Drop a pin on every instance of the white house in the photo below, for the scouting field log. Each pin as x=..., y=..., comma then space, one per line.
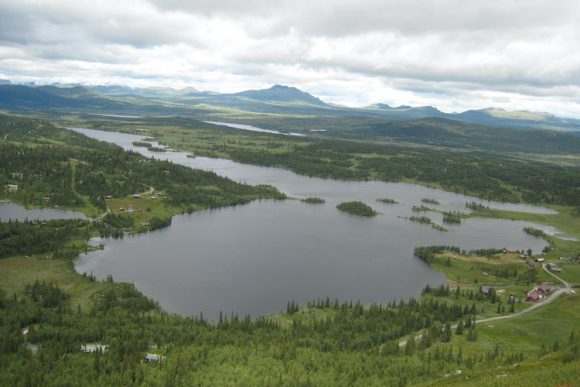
x=153, y=357
x=92, y=348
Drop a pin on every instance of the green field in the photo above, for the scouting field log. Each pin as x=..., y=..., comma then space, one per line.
x=17, y=272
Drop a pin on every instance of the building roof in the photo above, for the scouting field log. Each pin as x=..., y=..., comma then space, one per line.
x=545, y=287
x=154, y=357
x=534, y=295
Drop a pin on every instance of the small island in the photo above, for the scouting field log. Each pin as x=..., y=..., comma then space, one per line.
x=142, y=144
x=430, y=201
x=451, y=218
x=357, y=208
x=421, y=208
x=148, y=145
x=426, y=220
x=313, y=200
x=387, y=201
x=535, y=232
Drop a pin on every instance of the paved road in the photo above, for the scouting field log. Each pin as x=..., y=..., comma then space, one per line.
x=555, y=294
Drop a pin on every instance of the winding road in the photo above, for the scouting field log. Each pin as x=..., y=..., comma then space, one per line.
x=555, y=294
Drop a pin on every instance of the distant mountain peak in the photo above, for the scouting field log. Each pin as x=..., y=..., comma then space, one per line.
x=281, y=93
x=501, y=113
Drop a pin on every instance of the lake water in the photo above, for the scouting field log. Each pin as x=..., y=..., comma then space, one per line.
x=253, y=128
x=12, y=211
x=252, y=259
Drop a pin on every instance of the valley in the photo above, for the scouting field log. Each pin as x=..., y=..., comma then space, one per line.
x=253, y=237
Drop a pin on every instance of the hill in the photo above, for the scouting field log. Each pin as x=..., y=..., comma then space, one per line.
x=281, y=94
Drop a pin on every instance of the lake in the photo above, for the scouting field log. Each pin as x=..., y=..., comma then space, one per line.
x=253, y=259
x=12, y=211
x=253, y=128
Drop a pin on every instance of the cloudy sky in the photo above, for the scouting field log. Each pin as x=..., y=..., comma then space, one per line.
x=453, y=54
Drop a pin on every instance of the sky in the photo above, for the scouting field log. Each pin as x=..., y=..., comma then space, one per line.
x=452, y=54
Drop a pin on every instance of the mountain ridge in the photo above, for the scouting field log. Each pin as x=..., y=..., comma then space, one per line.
x=278, y=99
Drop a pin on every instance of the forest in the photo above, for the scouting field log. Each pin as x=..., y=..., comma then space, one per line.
x=57, y=167
x=433, y=339
x=352, y=345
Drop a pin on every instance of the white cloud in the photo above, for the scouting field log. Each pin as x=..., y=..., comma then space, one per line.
x=453, y=54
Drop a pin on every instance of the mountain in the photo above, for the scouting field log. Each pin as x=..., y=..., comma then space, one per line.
x=457, y=134
x=518, y=118
x=53, y=97
x=281, y=94
x=290, y=109
x=121, y=90
x=406, y=112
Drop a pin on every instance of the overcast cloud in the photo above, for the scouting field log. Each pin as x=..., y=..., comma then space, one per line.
x=453, y=54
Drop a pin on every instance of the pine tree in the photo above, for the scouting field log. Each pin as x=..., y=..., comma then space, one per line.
x=446, y=337
x=410, y=348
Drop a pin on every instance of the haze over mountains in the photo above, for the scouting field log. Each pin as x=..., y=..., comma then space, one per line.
x=287, y=108
x=278, y=98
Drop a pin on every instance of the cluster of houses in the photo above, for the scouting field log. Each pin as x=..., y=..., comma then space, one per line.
x=531, y=262
x=539, y=292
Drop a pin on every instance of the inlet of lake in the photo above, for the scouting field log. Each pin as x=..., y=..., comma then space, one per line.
x=254, y=258
x=11, y=211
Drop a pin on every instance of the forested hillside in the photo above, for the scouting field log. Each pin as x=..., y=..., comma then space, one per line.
x=49, y=313
x=53, y=166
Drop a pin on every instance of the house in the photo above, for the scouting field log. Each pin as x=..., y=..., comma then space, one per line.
x=11, y=187
x=544, y=288
x=486, y=289
x=25, y=331
x=534, y=296
x=136, y=196
x=153, y=357
x=108, y=196
x=130, y=208
x=540, y=260
x=553, y=268
x=565, y=259
x=92, y=348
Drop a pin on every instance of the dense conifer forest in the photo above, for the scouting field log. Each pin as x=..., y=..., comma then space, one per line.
x=46, y=332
